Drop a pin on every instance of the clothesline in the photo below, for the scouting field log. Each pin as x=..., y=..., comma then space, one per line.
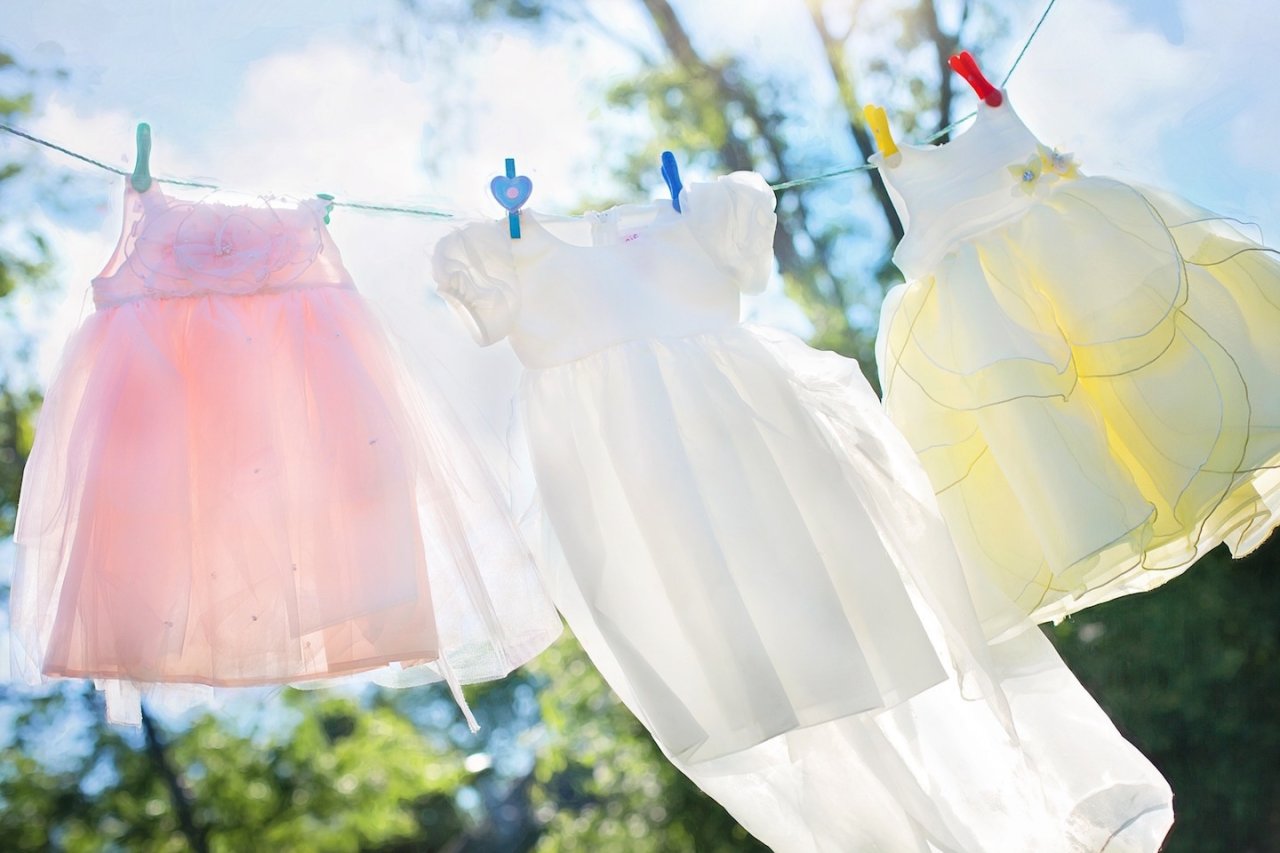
x=356, y=205
x=434, y=213
x=866, y=167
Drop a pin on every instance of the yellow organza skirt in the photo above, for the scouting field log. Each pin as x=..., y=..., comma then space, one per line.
x=1094, y=390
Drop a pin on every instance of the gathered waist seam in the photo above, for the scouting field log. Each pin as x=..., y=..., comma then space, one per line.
x=943, y=248
x=199, y=294
x=631, y=342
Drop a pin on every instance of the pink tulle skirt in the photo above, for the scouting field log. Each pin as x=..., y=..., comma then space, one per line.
x=243, y=489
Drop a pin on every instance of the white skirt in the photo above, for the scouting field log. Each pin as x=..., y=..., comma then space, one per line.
x=752, y=556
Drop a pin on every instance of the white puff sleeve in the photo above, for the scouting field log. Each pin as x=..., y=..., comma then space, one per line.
x=475, y=274
x=733, y=217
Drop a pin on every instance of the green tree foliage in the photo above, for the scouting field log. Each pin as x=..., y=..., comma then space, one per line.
x=25, y=262
x=329, y=773
x=603, y=784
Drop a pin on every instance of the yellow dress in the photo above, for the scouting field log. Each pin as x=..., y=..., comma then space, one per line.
x=1089, y=370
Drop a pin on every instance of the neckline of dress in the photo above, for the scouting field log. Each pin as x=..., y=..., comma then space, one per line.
x=980, y=117
x=663, y=215
x=162, y=199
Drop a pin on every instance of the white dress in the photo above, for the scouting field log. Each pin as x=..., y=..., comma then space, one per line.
x=751, y=555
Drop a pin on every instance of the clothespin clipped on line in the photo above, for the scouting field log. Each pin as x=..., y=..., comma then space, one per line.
x=966, y=66
x=328, y=207
x=141, y=177
x=512, y=191
x=879, y=124
x=671, y=174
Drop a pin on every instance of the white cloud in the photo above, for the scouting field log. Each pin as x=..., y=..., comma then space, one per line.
x=327, y=117
x=1095, y=83
x=1196, y=116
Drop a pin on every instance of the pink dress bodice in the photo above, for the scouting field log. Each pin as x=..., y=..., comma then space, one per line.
x=171, y=248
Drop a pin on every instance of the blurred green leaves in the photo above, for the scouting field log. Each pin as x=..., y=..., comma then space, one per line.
x=603, y=784
x=337, y=776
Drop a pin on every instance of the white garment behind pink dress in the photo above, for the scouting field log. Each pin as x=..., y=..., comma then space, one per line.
x=752, y=556
x=233, y=484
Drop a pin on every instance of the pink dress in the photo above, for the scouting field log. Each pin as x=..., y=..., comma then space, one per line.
x=232, y=483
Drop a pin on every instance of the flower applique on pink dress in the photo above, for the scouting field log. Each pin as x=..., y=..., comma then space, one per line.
x=234, y=483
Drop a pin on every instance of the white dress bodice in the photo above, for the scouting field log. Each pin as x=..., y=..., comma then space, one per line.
x=572, y=286
x=948, y=193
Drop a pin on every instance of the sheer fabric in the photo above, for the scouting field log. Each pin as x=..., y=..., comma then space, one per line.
x=753, y=557
x=233, y=484
x=1082, y=366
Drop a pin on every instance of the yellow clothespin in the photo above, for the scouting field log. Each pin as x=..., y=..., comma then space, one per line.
x=879, y=123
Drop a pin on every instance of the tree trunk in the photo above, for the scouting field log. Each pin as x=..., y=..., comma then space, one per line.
x=810, y=282
x=834, y=50
x=945, y=46
x=197, y=835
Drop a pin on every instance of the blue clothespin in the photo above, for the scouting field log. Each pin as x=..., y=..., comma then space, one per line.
x=141, y=177
x=671, y=174
x=512, y=191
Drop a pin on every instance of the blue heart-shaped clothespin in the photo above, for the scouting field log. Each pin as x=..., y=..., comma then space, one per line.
x=512, y=191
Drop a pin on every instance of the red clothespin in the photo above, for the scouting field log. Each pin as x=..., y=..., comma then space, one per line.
x=966, y=66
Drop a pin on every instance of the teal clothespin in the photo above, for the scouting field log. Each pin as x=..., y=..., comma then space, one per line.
x=141, y=177
x=328, y=207
x=512, y=191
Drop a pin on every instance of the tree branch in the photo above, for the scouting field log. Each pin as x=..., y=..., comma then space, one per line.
x=816, y=290
x=834, y=50
x=197, y=835
x=592, y=20
x=733, y=151
x=945, y=45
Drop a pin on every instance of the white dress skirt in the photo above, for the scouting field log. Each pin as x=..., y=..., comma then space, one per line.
x=752, y=556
